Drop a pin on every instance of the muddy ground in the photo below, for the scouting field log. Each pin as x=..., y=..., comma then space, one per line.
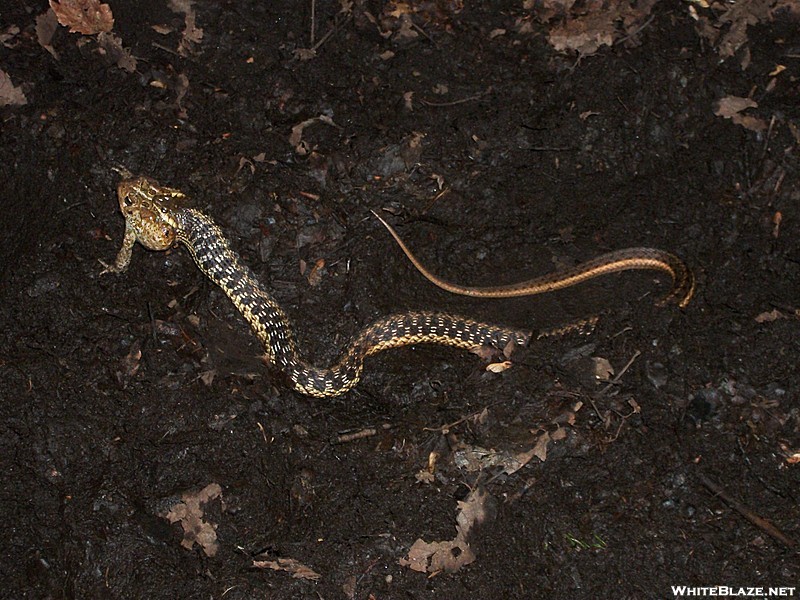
x=122, y=394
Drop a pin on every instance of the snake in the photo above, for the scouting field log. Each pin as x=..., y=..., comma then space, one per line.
x=160, y=217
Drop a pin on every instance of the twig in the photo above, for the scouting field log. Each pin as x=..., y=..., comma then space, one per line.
x=446, y=428
x=637, y=31
x=366, y=432
x=313, y=22
x=331, y=31
x=455, y=102
x=619, y=375
x=762, y=524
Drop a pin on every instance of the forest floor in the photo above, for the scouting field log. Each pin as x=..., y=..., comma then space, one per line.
x=148, y=452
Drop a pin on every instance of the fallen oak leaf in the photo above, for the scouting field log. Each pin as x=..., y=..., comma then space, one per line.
x=189, y=513
x=84, y=16
x=450, y=555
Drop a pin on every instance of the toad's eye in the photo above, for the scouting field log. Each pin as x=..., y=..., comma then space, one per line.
x=128, y=201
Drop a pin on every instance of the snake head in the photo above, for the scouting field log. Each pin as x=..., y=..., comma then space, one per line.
x=148, y=208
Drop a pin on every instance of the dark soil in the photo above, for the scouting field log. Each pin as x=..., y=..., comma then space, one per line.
x=530, y=160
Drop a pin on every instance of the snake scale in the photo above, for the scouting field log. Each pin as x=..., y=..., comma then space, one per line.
x=157, y=217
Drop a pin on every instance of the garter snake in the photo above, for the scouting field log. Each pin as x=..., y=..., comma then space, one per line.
x=158, y=217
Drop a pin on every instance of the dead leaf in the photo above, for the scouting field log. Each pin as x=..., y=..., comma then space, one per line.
x=731, y=107
x=603, y=371
x=584, y=35
x=46, y=25
x=130, y=364
x=297, y=569
x=207, y=377
x=540, y=450
x=112, y=46
x=189, y=513
x=769, y=316
x=434, y=557
x=304, y=53
x=84, y=16
x=315, y=274
x=450, y=555
x=192, y=34
x=424, y=476
x=8, y=36
x=10, y=95
x=296, y=137
x=499, y=367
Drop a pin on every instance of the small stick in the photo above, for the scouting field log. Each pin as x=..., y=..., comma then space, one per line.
x=360, y=434
x=620, y=374
x=763, y=524
x=313, y=22
x=455, y=102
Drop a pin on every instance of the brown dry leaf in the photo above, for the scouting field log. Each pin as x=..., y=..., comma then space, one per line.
x=10, y=95
x=499, y=367
x=473, y=510
x=296, y=137
x=731, y=107
x=46, y=25
x=84, y=16
x=314, y=276
x=297, y=569
x=476, y=458
x=9, y=35
x=603, y=371
x=112, y=46
x=190, y=515
x=769, y=316
x=585, y=35
x=740, y=15
x=192, y=34
x=484, y=352
x=540, y=450
x=207, y=377
x=727, y=23
x=424, y=476
x=304, y=53
x=450, y=555
x=437, y=556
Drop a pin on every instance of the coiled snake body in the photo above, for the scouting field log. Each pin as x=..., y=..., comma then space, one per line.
x=157, y=217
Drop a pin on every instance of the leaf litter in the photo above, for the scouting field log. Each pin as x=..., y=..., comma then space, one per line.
x=189, y=513
x=451, y=555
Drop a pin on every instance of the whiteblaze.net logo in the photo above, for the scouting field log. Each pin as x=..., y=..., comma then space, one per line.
x=725, y=591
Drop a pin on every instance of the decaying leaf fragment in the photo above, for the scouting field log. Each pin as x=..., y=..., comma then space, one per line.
x=296, y=137
x=83, y=16
x=585, y=35
x=10, y=95
x=731, y=107
x=297, y=569
x=112, y=46
x=450, y=555
x=46, y=25
x=192, y=34
x=189, y=513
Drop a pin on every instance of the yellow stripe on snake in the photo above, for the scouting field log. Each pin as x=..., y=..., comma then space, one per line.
x=156, y=217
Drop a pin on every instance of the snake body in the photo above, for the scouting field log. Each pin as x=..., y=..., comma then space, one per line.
x=158, y=218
